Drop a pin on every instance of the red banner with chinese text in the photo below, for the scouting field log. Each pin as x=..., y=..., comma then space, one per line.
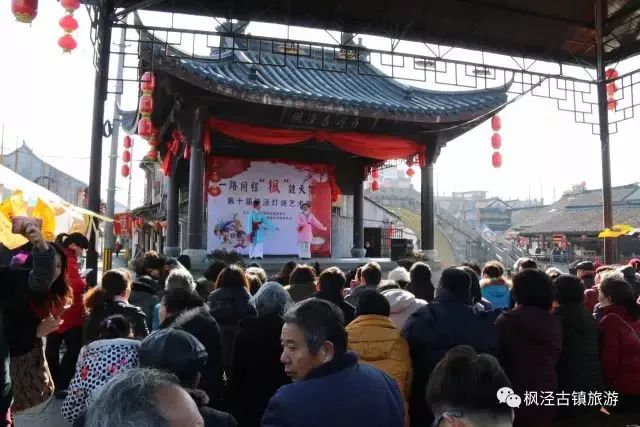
x=122, y=224
x=282, y=187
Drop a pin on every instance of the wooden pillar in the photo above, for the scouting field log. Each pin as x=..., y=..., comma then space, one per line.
x=358, y=250
x=195, y=222
x=172, y=247
x=427, y=209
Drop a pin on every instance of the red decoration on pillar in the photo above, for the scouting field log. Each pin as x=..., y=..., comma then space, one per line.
x=25, y=11
x=375, y=174
x=145, y=127
x=375, y=186
x=126, y=156
x=496, y=159
x=127, y=142
x=496, y=123
x=148, y=83
x=145, y=105
x=214, y=190
x=496, y=141
x=410, y=172
x=125, y=170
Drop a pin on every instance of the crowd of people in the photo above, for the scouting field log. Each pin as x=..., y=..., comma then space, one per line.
x=318, y=347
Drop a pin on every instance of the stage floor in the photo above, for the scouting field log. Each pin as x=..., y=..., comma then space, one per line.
x=273, y=264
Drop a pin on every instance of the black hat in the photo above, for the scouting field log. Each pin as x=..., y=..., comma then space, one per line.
x=308, y=204
x=175, y=351
x=585, y=265
x=371, y=302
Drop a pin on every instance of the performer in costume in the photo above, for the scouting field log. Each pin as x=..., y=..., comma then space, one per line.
x=257, y=225
x=306, y=221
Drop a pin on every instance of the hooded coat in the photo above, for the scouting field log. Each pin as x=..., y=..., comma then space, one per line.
x=620, y=350
x=199, y=323
x=530, y=345
x=378, y=342
x=403, y=304
x=436, y=328
x=497, y=292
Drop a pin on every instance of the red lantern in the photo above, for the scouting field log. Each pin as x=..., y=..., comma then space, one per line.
x=126, y=156
x=611, y=74
x=496, y=159
x=153, y=142
x=410, y=172
x=68, y=23
x=496, y=123
x=335, y=197
x=140, y=222
x=145, y=105
x=375, y=174
x=410, y=162
x=611, y=89
x=214, y=191
x=70, y=5
x=375, y=186
x=148, y=82
x=127, y=143
x=67, y=43
x=496, y=141
x=145, y=127
x=125, y=170
x=215, y=177
x=612, y=104
x=153, y=155
x=25, y=11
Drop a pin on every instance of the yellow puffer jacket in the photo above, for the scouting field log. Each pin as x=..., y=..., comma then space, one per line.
x=378, y=343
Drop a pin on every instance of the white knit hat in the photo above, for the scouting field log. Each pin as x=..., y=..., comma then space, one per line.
x=399, y=274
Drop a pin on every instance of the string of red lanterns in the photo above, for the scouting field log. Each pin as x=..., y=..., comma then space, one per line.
x=25, y=11
x=145, y=107
x=496, y=141
x=126, y=156
x=612, y=88
x=375, y=175
x=69, y=24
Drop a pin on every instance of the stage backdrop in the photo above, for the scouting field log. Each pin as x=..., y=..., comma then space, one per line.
x=233, y=184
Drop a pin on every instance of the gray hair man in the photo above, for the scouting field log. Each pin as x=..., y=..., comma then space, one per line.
x=143, y=398
x=271, y=299
x=180, y=278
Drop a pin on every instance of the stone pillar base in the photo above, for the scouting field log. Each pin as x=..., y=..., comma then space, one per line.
x=358, y=252
x=172, y=251
x=198, y=258
x=430, y=254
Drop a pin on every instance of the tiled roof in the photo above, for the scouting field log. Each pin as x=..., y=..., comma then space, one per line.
x=577, y=213
x=260, y=73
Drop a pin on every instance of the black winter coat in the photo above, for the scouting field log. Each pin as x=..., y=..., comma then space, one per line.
x=530, y=344
x=199, y=323
x=578, y=367
x=436, y=328
x=144, y=294
x=256, y=372
x=229, y=306
x=348, y=310
x=135, y=315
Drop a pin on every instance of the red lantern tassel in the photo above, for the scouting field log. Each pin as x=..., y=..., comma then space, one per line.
x=187, y=151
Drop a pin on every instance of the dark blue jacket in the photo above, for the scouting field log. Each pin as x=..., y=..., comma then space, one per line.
x=436, y=328
x=340, y=393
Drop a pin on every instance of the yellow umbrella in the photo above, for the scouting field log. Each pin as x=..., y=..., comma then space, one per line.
x=616, y=231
